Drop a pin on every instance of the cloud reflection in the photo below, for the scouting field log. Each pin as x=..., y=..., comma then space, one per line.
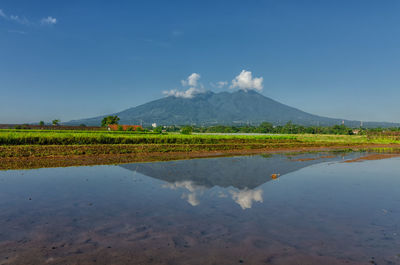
x=245, y=198
x=195, y=190
x=191, y=198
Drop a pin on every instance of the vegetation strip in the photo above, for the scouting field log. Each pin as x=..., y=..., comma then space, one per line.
x=84, y=138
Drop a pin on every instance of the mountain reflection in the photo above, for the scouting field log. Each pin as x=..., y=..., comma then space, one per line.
x=240, y=175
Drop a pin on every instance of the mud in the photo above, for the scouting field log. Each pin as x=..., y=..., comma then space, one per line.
x=372, y=157
x=60, y=156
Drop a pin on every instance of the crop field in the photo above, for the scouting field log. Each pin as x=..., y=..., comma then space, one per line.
x=64, y=137
x=27, y=137
x=48, y=148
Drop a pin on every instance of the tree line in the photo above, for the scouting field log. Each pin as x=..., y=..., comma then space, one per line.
x=288, y=128
x=265, y=127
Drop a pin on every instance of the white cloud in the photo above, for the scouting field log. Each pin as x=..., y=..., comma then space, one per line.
x=23, y=20
x=190, y=93
x=245, y=81
x=48, y=21
x=221, y=84
x=246, y=197
x=20, y=20
x=191, y=80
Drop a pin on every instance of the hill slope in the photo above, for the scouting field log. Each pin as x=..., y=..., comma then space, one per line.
x=220, y=108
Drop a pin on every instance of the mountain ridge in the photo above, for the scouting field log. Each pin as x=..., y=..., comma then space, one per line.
x=223, y=108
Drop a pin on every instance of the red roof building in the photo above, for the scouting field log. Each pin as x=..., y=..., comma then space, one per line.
x=114, y=127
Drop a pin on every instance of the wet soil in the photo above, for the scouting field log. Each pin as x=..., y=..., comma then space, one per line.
x=372, y=157
x=29, y=157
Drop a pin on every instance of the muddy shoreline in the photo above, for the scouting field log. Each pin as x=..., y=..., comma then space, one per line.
x=63, y=158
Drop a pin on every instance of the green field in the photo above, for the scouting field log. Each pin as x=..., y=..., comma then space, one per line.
x=64, y=137
x=20, y=149
x=38, y=137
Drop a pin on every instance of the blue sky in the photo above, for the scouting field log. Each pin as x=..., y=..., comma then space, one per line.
x=77, y=59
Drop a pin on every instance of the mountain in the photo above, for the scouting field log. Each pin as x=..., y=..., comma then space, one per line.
x=209, y=108
x=228, y=171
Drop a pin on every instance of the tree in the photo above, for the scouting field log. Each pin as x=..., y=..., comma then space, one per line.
x=41, y=123
x=187, y=130
x=109, y=120
x=158, y=129
x=56, y=122
x=265, y=127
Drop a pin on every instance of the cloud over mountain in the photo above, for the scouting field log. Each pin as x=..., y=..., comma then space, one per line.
x=191, y=80
x=194, y=89
x=245, y=81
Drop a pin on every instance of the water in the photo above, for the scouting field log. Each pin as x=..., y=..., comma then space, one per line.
x=205, y=211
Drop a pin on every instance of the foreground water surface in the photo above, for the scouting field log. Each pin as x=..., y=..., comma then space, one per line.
x=315, y=209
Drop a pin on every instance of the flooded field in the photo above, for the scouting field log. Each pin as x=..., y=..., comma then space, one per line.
x=275, y=209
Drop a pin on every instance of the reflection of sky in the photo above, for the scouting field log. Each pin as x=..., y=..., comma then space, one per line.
x=191, y=198
x=186, y=184
x=244, y=198
x=194, y=190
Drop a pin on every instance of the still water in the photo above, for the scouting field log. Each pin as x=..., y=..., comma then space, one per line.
x=315, y=210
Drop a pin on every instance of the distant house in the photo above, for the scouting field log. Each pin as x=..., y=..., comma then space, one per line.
x=114, y=127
